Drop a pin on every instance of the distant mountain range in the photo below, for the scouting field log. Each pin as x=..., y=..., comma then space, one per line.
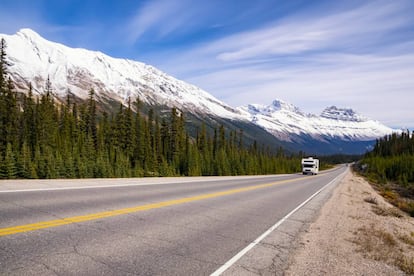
x=32, y=59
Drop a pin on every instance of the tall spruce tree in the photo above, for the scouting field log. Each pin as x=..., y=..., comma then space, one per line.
x=41, y=138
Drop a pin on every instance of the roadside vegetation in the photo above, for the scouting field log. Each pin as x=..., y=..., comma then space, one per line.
x=379, y=244
x=340, y=158
x=390, y=167
x=390, y=241
x=329, y=161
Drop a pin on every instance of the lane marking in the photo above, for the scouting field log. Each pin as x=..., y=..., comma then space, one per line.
x=58, y=222
x=133, y=184
x=233, y=260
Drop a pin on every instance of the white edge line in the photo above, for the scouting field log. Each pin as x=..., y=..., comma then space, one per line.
x=233, y=260
x=121, y=185
x=84, y=187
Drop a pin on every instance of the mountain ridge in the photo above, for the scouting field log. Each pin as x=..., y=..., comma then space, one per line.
x=33, y=58
x=114, y=78
x=282, y=118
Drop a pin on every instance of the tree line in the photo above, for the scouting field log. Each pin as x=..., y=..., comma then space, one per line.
x=392, y=159
x=44, y=138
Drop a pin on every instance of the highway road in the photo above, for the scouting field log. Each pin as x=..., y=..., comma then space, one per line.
x=128, y=227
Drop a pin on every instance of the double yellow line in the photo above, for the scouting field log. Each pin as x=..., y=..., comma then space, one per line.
x=58, y=222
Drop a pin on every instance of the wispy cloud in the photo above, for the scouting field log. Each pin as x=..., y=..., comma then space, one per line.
x=12, y=22
x=160, y=18
x=357, y=27
x=31, y=17
x=353, y=53
x=359, y=57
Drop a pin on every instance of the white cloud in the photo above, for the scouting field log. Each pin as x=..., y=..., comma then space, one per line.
x=296, y=34
x=149, y=16
x=380, y=87
x=356, y=57
x=12, y=22
x=159, y=18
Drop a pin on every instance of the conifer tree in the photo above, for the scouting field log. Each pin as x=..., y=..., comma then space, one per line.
x=91, y=119
x=3, y=64
x=29, y=134
x=41, y=138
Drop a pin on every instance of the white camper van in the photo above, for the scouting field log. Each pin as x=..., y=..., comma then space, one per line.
x=310, y=165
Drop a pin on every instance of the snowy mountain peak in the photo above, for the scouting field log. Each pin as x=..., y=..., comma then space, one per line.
x=34, y=58
x=284, y=120
x=343, y=114
x=28, y=33
x=282, y=105
x=276, y=106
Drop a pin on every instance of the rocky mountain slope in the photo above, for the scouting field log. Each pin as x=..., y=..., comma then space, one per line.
x=287, y=121
x=32, y=59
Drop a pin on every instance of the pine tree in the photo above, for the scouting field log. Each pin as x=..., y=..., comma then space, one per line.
x=174, y=136
x=28, y=121
x=25, y=162
x=8, y=168
x=91, y=119
x=45, y=139
x=47, y=119
x=3, y=63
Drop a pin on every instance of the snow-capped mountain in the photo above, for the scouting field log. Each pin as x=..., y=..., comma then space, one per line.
x=33, y=59
x=288, y=122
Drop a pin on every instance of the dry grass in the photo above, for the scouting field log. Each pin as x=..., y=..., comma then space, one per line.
x=409, y=240
x=372, y=200
x=375, y=243
x=380, y=245
x=406, y=265
x=389, y=195
x=357, y=239
x=399, y=196
x=389, y=246
x=404, y=204
x=386, y=212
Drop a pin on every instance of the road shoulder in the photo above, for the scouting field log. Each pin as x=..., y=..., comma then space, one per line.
x=272, y=255
x=356, y=233
x=347, y=229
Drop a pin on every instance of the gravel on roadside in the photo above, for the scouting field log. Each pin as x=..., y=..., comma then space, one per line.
x=357, y=233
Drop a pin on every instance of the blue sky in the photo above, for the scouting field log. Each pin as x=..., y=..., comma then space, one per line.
x=314, y=54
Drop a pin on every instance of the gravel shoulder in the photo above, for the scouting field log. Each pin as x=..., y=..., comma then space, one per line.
x=356, y=233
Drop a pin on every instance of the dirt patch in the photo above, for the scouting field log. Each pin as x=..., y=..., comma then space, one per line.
x=357, y=233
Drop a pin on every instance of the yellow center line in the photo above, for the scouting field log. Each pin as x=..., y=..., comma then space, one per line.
x=58, y=222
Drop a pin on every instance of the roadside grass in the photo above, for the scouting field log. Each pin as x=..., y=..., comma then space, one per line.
x=401, y=196
x=381, y=210
x=397, y=196
x=380, y=245
x=406, y=239
x=386, y=212
x=372, y=200
x=393, y=247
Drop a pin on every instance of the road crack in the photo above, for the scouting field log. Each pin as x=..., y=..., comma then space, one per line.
x=112, y=267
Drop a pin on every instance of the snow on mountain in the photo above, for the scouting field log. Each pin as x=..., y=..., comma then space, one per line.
x=33, y=59
x=283, y=119
x=343, y=114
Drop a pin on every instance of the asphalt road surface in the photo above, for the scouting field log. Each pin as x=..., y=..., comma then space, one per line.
x=125, y=227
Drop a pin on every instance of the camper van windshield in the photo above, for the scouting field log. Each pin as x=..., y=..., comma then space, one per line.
x=308, y=165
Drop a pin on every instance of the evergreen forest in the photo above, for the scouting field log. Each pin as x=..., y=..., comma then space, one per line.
x=392, y=159
x=42, y=137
